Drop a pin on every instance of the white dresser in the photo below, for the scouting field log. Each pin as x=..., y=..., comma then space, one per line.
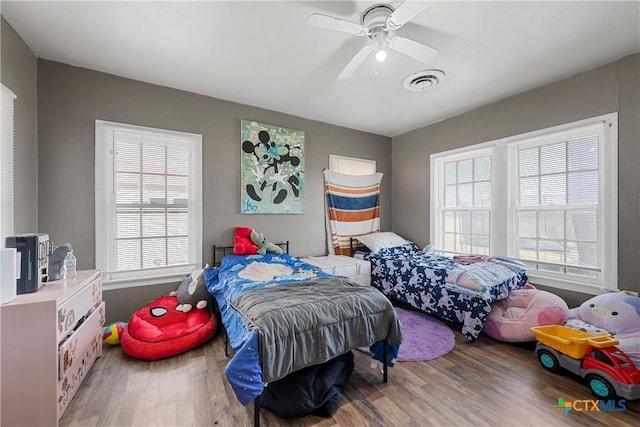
x=50, y=340
x=358, y=270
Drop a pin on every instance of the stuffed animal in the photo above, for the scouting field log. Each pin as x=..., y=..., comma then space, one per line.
x=193, y=292
x=613, y=312
x=242, y=244
x=263, y=245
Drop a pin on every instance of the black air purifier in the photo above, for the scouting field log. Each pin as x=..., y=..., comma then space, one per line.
x=33, y=250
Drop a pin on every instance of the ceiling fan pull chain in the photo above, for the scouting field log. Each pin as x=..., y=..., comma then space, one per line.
x=374, y=66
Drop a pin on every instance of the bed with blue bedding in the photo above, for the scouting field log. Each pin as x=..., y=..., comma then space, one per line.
x=282, y=314
x=460, y=292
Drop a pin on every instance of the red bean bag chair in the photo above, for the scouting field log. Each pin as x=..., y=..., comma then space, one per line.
x=158, y=330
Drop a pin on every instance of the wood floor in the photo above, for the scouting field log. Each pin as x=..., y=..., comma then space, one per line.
x=486, y=384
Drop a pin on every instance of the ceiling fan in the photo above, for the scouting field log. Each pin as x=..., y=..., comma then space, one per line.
x=376, y=22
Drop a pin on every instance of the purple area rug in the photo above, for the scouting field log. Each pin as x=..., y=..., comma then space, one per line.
x=424, y=337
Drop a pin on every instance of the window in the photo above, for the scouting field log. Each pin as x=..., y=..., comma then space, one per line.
x=6, y=165
x=148, y=203
x=548, y=198
x=351, y=165
x=466, y=210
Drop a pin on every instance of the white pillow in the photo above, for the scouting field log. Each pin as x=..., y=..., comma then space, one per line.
x=385, y=239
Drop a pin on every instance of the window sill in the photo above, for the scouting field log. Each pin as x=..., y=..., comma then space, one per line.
x=132, y=283
x=567, y=285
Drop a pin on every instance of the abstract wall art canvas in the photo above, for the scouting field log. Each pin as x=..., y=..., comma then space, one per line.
x=272, y=169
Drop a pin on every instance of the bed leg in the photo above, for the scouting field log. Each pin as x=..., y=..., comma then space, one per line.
x=256, y=411
x=385, y=366
x=226, y=345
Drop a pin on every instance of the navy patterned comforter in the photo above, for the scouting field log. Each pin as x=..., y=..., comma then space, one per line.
x=460, y=293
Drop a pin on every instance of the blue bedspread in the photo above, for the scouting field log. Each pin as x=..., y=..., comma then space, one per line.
x=238, y=275
x=460, y=293
x=226, y=284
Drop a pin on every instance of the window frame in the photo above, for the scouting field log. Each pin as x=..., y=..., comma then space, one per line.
x=337, y=162
x=7, y=166
x=438, y=205
x=504, y=201
x=106, y=207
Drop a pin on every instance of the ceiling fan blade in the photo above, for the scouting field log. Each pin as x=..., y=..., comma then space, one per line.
x=331, y=23
x=415, y=50
x=355, y=62
x=405, y=13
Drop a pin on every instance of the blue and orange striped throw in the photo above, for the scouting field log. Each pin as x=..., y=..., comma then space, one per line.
x=352, y=208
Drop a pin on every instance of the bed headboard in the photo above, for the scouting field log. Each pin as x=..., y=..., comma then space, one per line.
x=219, y=252
x=355, y=245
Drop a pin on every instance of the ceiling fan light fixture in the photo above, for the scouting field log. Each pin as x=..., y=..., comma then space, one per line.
x=376, y=22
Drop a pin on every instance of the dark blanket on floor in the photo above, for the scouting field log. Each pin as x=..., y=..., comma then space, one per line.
x=315, y=390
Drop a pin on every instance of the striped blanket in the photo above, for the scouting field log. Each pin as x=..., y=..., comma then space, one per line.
x=352, y=208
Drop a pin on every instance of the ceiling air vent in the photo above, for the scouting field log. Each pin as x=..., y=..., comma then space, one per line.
x=424, y=80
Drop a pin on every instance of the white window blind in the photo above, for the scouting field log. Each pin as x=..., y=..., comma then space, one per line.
x=550, y=201
x=148, y=208
x=351, y=165
x=6, y=165
x=557, y=212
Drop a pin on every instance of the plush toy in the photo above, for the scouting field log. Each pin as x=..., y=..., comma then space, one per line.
x=512, y=318
x=113, y=332
x=242, y=244
x=193, y=292
x=263, y=245
x=613, y=312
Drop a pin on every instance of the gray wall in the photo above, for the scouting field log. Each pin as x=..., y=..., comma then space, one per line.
x=72, y=98
x=55, y=174
x=610, y=88
x=18, y=72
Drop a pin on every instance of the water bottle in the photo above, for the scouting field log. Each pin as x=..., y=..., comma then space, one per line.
x=69, y=265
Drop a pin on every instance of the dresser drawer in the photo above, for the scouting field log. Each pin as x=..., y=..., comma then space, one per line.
x=81, y=304
x=73, y=348
x=70, y=383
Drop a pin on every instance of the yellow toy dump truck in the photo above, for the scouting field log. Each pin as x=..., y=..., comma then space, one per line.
x=608, y=371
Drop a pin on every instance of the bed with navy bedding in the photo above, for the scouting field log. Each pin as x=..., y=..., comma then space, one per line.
x=282, y=314
x=460, y=292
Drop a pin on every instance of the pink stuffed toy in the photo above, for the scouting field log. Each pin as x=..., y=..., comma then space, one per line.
x=613, y=312
x=512, y=318
x=242, y=243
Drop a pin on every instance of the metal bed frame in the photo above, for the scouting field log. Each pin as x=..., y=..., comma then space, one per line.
x=226, y=250
x=354, y=245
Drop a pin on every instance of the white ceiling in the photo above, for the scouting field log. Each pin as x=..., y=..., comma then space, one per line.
x=264, y=53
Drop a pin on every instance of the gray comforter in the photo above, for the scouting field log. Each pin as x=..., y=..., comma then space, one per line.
x=308, y=323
